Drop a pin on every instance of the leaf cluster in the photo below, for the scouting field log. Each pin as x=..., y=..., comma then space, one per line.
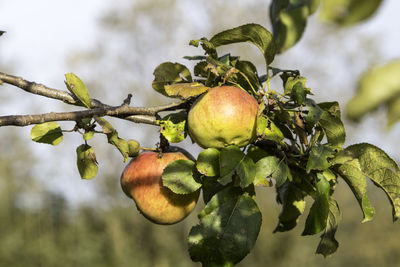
x=51, y=132
x=298, y=151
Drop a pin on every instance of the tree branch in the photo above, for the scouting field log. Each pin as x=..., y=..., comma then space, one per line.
x=40, y=89
x=145, y=115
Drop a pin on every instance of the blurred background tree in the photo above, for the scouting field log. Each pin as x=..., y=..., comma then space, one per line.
x=40, y=226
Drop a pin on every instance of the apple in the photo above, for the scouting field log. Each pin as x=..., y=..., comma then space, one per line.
x=225, y=115
x=141, y=180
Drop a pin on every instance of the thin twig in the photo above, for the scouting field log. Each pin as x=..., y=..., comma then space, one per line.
x=145, y=115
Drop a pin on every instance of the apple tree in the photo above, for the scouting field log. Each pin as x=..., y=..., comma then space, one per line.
x=252, y=134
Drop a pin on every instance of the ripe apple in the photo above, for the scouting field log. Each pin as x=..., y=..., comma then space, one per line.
x=141, y=181
x=223, y=116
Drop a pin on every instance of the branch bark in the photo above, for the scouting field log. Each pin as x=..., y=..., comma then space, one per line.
x=147, y=115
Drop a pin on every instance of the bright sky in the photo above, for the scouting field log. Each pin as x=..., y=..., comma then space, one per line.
x=41, y=33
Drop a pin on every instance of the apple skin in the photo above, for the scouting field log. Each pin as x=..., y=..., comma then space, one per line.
x=225, y=115
x=141, y=180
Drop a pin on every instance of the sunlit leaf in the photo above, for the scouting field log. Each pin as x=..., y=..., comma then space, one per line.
x=328, y=244
x=169, y=73
x=172, y=126
x=88, y=135
x=317, y=218
x=272, y=167
x=207, y=46
x=332, y=124
x=228, y=229
x=233, y=161
x=122, y=145
x=347, y=12
x=47, y=133
x=208, y=162
x=78, y=88
x=318, y=159
x=253, y=33
x=351, y=172
x=268, y=130
x=86, y=161
x=289, y=20
x=314, y=114
x=250, y=71
x=375, y=164
x=185, y=90
x=378, y=86
x=293, y=205
x=264, y=168
x=393, y=111
x=181, y=177
x=105, y=125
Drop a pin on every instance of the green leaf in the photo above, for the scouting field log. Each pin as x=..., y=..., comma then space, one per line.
x=347, y=12
x=201, y=70
x=332, y=108
x=264, y=168
x=262, y=123
x=206, y=45
x=86, y=161
x=105, y=125
x=2, y=32
x=351, y=172
x=332, y=124
x=268, y=130
x=313, y=5
x=256, y=153
x=314, y=114
x=292, y=81
x=317, y=218
x=328, y=244
x=113, y=138
x=298, y=93
x=88, y=135
x=211, y=187
x=375, y=164
x=246, y=171
x=253, y=33
x=208, y=162
x=121, y=144
x=47, y=133
x=281, y=174
x=271, y=166
x=233, y=161
x=293, y=205
x=289, y=20
x=185, y=90
x=172, y=126
x=228, y=229
x=250, y=71
x=318, y=159
x=169, y=73
x=393, y=111
x=181, y=177
x=78, y=89
x=378, y=86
